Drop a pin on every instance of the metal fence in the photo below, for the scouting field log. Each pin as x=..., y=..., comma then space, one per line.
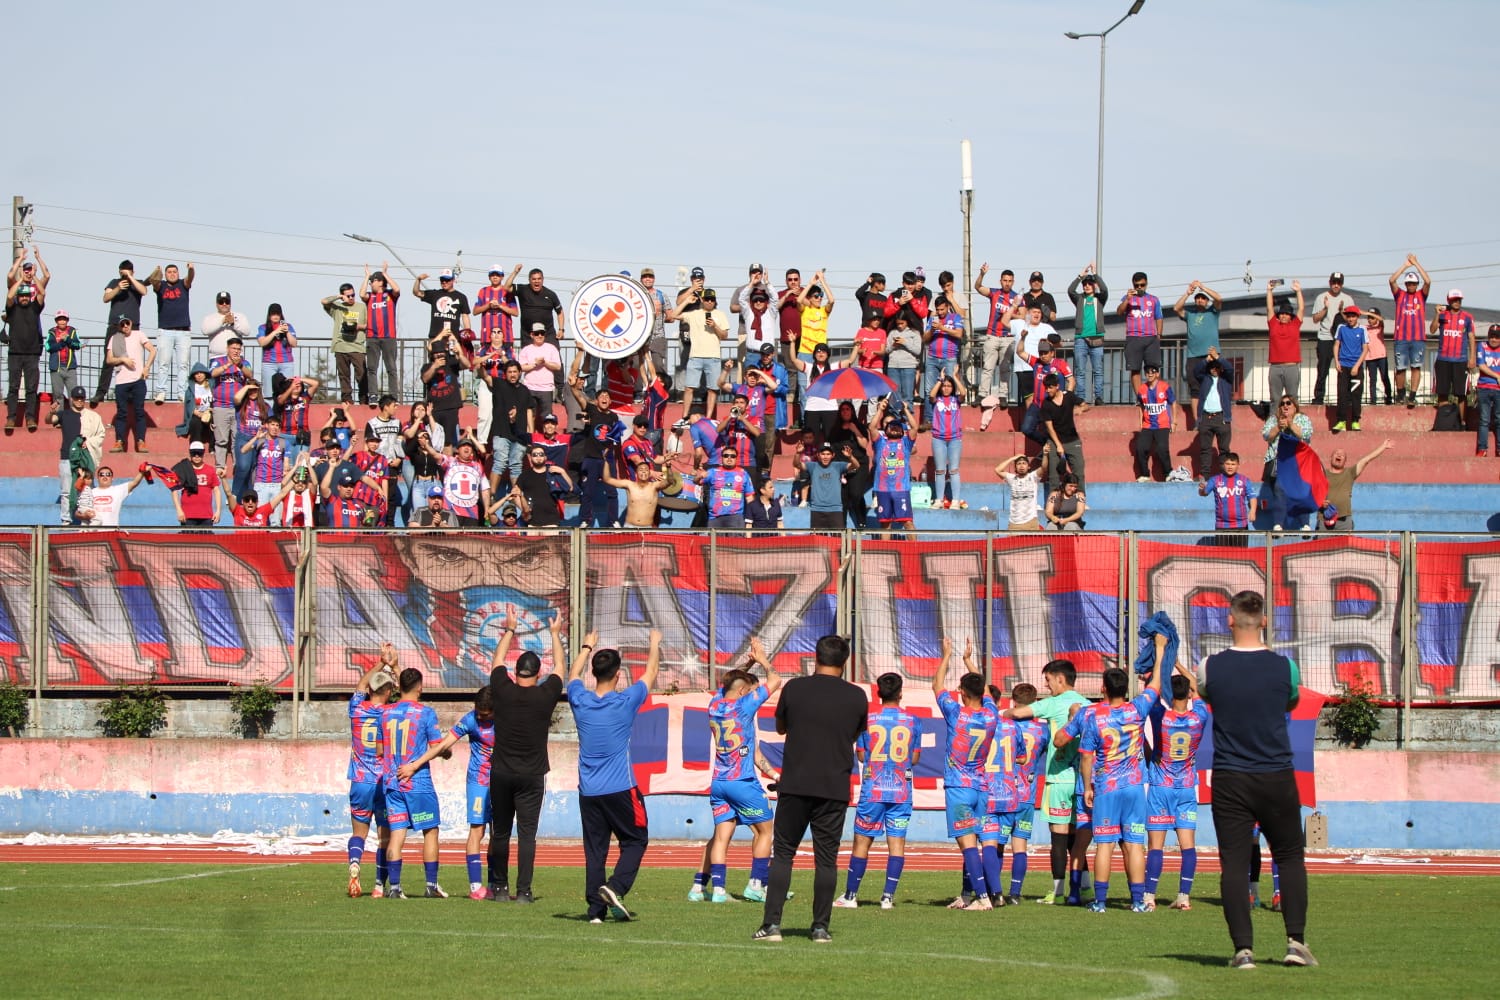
x=1411, y=617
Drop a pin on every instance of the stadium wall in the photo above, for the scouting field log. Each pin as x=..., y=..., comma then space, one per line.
x=1373, y=799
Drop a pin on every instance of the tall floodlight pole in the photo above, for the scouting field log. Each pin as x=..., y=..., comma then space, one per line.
x=1135, y=8
x=966, y=206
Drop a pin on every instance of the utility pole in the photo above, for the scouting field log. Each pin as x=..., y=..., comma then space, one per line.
x=17, y=226
x=966, y=205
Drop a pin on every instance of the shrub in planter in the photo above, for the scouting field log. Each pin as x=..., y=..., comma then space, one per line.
x=136, y=710
x=256, y=707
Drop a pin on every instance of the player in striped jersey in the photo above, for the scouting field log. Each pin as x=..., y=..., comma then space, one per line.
x=411, y=800
x=1172, y=776
x=366, y=746
x=479, y=726
x=971, y=728
x=1032, y=737
x=887, y=751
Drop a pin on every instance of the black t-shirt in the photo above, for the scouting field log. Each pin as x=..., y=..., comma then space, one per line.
x=538, y=493
x=1045, y=300
x=70, y=422
x=429, y=518
x=447, y=307
x=597, y=424
x=423, y=465
x=537, y=307
x=822, y=716
x=1061, y=416
x=523, y=716
x=172, y=311
x=443, y=391
x=505, y=396
x=25, y=327
x=126, y=306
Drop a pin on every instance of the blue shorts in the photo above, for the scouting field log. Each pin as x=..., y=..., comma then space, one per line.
x=891, y=506
x=1120, y=815
x=871, y=818
x=1007, y=826
x=479, y=803
x=367, y=802
x=412, y=810
x=1409, y=353
x=743, y=800
x=965, y=811
x=1171, y=808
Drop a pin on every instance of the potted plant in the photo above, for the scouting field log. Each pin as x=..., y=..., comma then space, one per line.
x=136, y=710
x=256, y=707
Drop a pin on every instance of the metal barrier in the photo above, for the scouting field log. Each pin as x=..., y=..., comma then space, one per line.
x=307, y=611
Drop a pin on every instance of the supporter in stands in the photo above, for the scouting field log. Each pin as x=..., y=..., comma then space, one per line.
x=450, y=307
x=599, y=505
x=130, y=354
x=946, y=416
x=342, y=509
x=465, y=491
x=1235, y=504
x=642, y=494
x=1328, y=308
x=1341, y=479
x=511, y=426
x=825, y=486
x=63, y=349
x=1411, y=325
x=198, y=503
x=1487, y=359
x=372, y=488
x=109, y=496
x=1350, y=347
x=1065, y=506
x=540, y=363
x=223, y=324
x=725, y=491
x=23, y=313
x=351, y=327
x=1455, y=330
x=1028, y=335
x=1089, y=293
x=35, y=271
x=869, y=345
x=1213, y=382
x=278, y=341
x=763, y=510
x=1288, y=419
x=295, y=504
x=1143, y=323
x=1285, y=347
x=267, y=456
x=380, y=295
x=420, y=470
x=250, y=412
x=803, y=455
x=994, y=381
x=174, y=326
x=251, y=513
x=890, y=460
x=1065, y=446
x=903, y=352
x=759, y=323
x=291, y=401
x=754, y=395
x=1202, y=319
x=228, y=373
x=434, y=515
x=77, y=420
x=1045, y=362
x=818, y=413
x=1156, y=399
x=778, y=381
x=815, y=303
x=81, y=500
x=1036, y=295
x=444, y=397
x=124, y=294
x=1377, y=363
x=1023, y=483
x=943, y=336
x=708, y=328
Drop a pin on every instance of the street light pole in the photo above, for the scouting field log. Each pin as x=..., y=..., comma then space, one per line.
x=371, y=239
x=966, y=205
x=1103, y=36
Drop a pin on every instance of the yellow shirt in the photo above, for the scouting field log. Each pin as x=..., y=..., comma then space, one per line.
x=814, y=328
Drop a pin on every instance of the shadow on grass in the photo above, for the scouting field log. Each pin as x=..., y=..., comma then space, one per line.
x=1214, y=961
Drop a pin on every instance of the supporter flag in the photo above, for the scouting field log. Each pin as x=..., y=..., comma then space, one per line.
x=1300, y=475
x=161, y=474
x=1302, y=727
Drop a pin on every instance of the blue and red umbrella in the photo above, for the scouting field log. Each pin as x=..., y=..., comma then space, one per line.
x=850, y=383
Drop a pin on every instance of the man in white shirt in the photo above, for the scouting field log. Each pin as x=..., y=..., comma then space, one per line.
x=223, y=323
x=1027, y=335
x=109, y=497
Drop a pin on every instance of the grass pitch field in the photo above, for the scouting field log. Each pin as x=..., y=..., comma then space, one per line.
x=270, y=931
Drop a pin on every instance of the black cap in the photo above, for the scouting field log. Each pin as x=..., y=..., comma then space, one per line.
x=641, y=421
x=222, y=297
x=79, y=392
x=697, y=273
x=550, y=418
x=1036, y=276
x=768, y=348
x=1494, y=330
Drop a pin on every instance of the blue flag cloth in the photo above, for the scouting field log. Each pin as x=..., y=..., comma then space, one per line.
x=1158, y=624
x=1300, y=477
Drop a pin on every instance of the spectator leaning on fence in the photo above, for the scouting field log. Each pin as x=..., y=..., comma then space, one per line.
x=174, y=326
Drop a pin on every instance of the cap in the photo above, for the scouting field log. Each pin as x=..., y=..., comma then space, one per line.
x=1494, y=330
x=918, y=273
x=709, y=293
x=347, y=480
x=757, y=268
x=647, y=272
x=222, y=297
x=445, y=275
x=697, y=273
x=29, y=266
x=435, y=491
x=1455, y=293
x=60, y=314
x=24, y=290
x=825, y=446
x=768, y=348
x=1336, y=276
x=497, y=269
x=195, y=446
x=1283, y=307
x=1351, y=308
x=510, y=510
x=1411, y=278
x=550, y=418
x=380, y=679
x=1089, y=279
x=539, y=328
x=1036, y=276
x=1152, y=368
x=79, y=392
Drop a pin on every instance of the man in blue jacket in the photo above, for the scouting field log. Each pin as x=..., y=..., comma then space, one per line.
x=1213, y=384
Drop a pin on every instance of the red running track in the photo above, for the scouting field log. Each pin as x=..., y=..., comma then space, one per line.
x=924, y=858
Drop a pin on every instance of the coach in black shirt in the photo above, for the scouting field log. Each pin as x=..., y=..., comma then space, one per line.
x=1251, y=689
x=523, y=716
x=821, y=716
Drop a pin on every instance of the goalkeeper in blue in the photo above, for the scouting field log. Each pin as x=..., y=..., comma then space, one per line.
x=887, y=751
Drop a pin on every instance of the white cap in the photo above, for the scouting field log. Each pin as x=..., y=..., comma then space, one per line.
x=496, y=269
x=445, y=275
x=1454, y=293
x=1411, y=276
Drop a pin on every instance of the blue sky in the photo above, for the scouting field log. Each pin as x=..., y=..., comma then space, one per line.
x=590, y=136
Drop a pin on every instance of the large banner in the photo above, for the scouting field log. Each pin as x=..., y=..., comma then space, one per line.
x=189, y=608
x=16, y=662
x=439, y=598
x=1053, y=596
x=1458, y=621
x=1335, y=609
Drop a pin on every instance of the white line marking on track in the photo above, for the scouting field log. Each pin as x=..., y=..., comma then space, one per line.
x=1158, y=985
